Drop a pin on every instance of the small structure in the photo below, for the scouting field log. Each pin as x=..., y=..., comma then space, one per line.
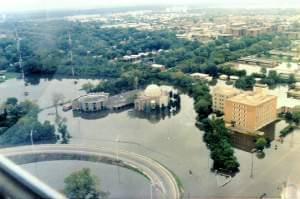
x=201, y=76
x=91, y=102
x=151, y=98
x=223, y=77
x=233, y=77
x=158, y=66
x=258, y=61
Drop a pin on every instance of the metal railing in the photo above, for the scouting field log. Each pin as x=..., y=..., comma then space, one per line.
x=18, y=183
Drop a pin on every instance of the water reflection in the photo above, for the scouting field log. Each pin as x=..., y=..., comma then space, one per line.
x=154, y=117
x=246, y=142
x=91, y=115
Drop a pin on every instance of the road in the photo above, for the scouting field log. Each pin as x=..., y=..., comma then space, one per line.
x=163, y=183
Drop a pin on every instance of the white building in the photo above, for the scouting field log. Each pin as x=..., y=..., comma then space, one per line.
x=91, y=102
x=153, y=96
x=158, y=66
x=201, y=76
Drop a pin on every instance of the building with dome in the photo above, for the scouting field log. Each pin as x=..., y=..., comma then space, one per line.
x=151, y=98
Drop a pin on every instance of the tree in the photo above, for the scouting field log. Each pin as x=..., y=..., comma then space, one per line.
x=245, y=83
x=83, y=185
x=261, y=143
x=56, y=99
x=88, y=87
x=11, y=101
x=263, y=70
x=63, y=130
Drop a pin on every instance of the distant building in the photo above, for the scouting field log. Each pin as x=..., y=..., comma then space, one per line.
x=258, y=61
x=220, y=95
x=201, y=76
x=158, y=66
x=91, y=102
x=250, y=111
x=254, y=32
x=292, y=35
x=223, y=77
x=225, y=36
x=153, y=96
x=233, y=77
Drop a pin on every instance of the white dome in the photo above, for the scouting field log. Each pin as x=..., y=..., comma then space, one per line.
x=152, y=91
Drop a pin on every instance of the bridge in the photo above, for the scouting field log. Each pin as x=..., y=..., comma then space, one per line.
x=163, y=182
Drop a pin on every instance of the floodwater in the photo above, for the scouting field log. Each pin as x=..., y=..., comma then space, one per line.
x=119, y=182
x=173, y=141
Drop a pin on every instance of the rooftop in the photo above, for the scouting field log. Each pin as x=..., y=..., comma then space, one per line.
x=252, y=98
x=225, y=90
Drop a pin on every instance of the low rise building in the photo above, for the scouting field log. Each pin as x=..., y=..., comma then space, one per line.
x=201, y=76
x=158, y=66
x=223, y=77
x=250, y=111
x=91, y=102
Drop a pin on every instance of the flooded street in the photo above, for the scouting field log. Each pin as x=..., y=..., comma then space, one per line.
x=117, y=181
x=173, y=141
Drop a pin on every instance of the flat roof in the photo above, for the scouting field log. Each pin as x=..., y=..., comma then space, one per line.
x=226, y=90
x=252, y=98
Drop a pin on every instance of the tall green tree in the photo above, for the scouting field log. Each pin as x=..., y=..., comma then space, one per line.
x=83, y=185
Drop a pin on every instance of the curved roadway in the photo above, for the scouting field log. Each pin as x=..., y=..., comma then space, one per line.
x=162, y=180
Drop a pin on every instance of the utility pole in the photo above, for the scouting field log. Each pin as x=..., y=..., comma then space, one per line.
x=117, y=156
x=136, y=82
x=71, y=53
x=151, y=190
x=252, y=153
x=20, y=54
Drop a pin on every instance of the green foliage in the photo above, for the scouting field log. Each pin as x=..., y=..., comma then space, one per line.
x=245, y=83
x=88, y=87
x=287, y=130
x=97, y=51
x=292, y=118
x=273, y=79
x=217, y=140
x=83, y=185
x=18, y=122
x=229, y=70
x=63, y=130
x=261, y=143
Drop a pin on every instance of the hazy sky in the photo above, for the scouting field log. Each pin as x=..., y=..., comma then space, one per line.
x=17, y=5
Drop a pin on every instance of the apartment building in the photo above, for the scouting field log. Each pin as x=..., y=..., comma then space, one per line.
x=221, y=94
x=249, y=111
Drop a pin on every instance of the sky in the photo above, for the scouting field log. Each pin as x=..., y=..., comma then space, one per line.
x=23, y=5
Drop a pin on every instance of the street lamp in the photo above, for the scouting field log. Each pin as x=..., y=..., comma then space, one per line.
x=31, y=136
x=252, y=152
x=117, y=154
x=117, y=140
x=151, y=190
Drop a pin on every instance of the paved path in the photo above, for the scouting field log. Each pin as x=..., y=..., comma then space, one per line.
x=163, y=183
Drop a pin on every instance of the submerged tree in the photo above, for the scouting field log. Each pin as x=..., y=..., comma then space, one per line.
x=63, y=130
x=57, y=98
